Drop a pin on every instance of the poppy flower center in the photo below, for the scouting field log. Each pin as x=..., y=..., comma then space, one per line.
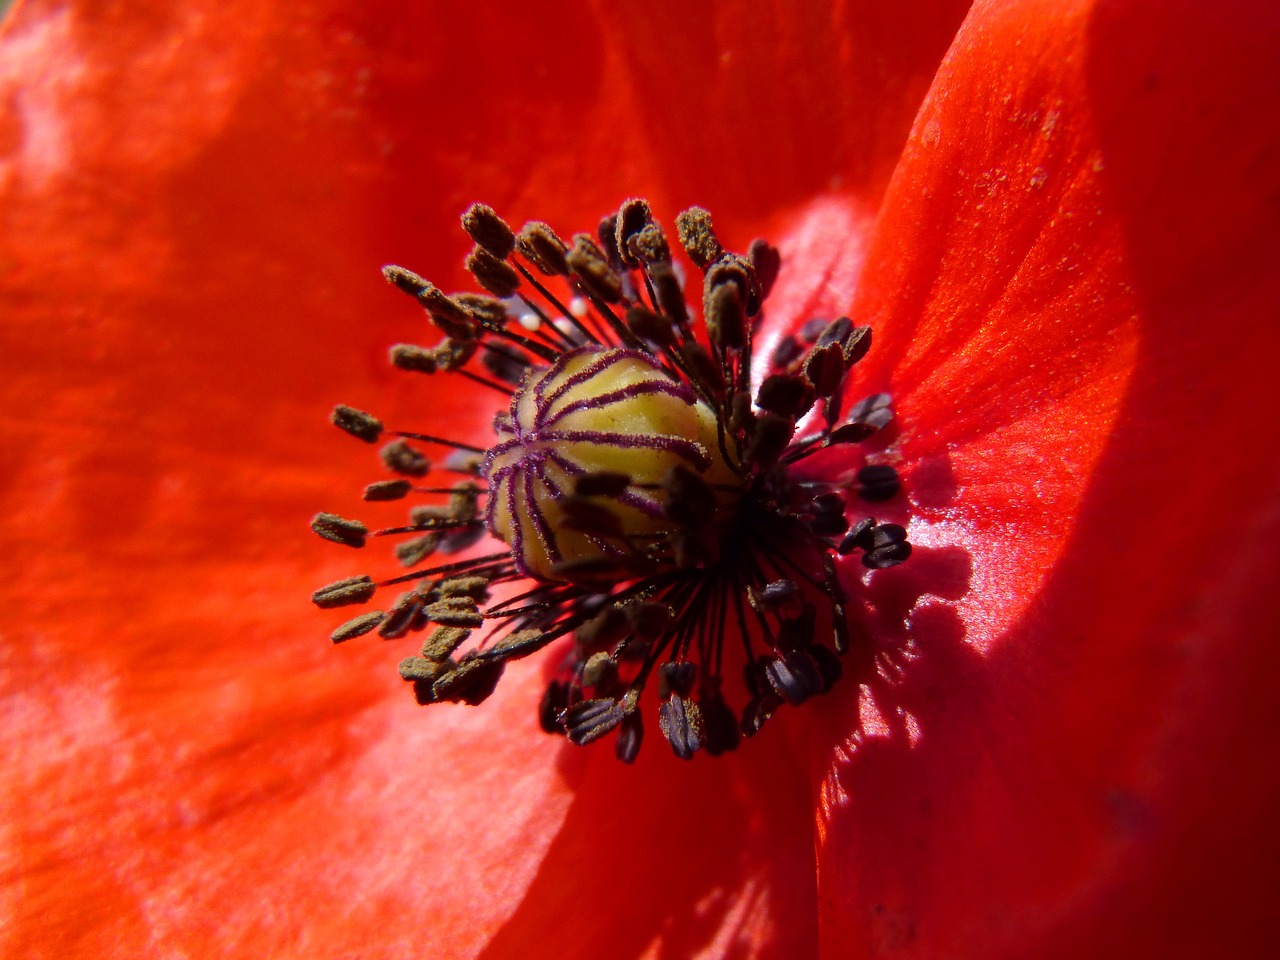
x=653, y=491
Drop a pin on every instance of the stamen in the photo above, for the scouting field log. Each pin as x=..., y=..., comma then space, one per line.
x=630, y=735
x=470, y=682
x=539, y=245
x=443, y=641
x=785, y=395
x=388, y=490
x=444, y=442
x=654, y=523
x=888, y=547
x=490, y=231
x=698, y=237
x=824, y=368
x=361, y=425
x=767, y=262
x=422, y=669
x=342, y=593
x=878, y=482
x=405, y=280
x=495, y=275
x=681, y=723
x=332, y=527
x=404, y=616
x=402, y=458
x=487, y=311
x=633, y=217
x=726, y=320
x=607, y=235
x=735, y=270
x=591, y=719
x=649, y=245
x=357, y=627
x=406, y=356
x=669, y=293
x=413, y=552
x=447, y=314
x=592, y=270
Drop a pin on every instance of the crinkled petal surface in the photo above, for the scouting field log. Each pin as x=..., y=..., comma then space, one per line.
x=1074, y=289
x=194, y=201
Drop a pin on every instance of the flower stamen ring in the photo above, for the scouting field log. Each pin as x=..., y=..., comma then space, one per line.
x=649, y=485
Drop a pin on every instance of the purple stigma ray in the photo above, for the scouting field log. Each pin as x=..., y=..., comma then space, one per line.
x=540, y=525
x=562, y=384
x=517, y=528
x=621, y=394
x=689, y=450
x=497, y=450
x=595, y=368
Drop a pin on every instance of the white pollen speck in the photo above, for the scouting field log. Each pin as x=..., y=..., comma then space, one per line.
x=578, y=307
x=529, y=321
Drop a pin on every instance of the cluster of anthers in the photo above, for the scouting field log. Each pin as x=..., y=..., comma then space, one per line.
x=654, y=491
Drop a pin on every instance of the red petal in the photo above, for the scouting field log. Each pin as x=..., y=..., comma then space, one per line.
x=193, y=204
x=757, y=107
x=191, y=225
x=1074, y=291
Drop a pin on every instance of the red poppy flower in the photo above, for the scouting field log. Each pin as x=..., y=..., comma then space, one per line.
x=1070, y=273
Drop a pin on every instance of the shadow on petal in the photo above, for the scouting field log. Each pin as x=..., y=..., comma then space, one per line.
x=1096, y=781
x=666, y=859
